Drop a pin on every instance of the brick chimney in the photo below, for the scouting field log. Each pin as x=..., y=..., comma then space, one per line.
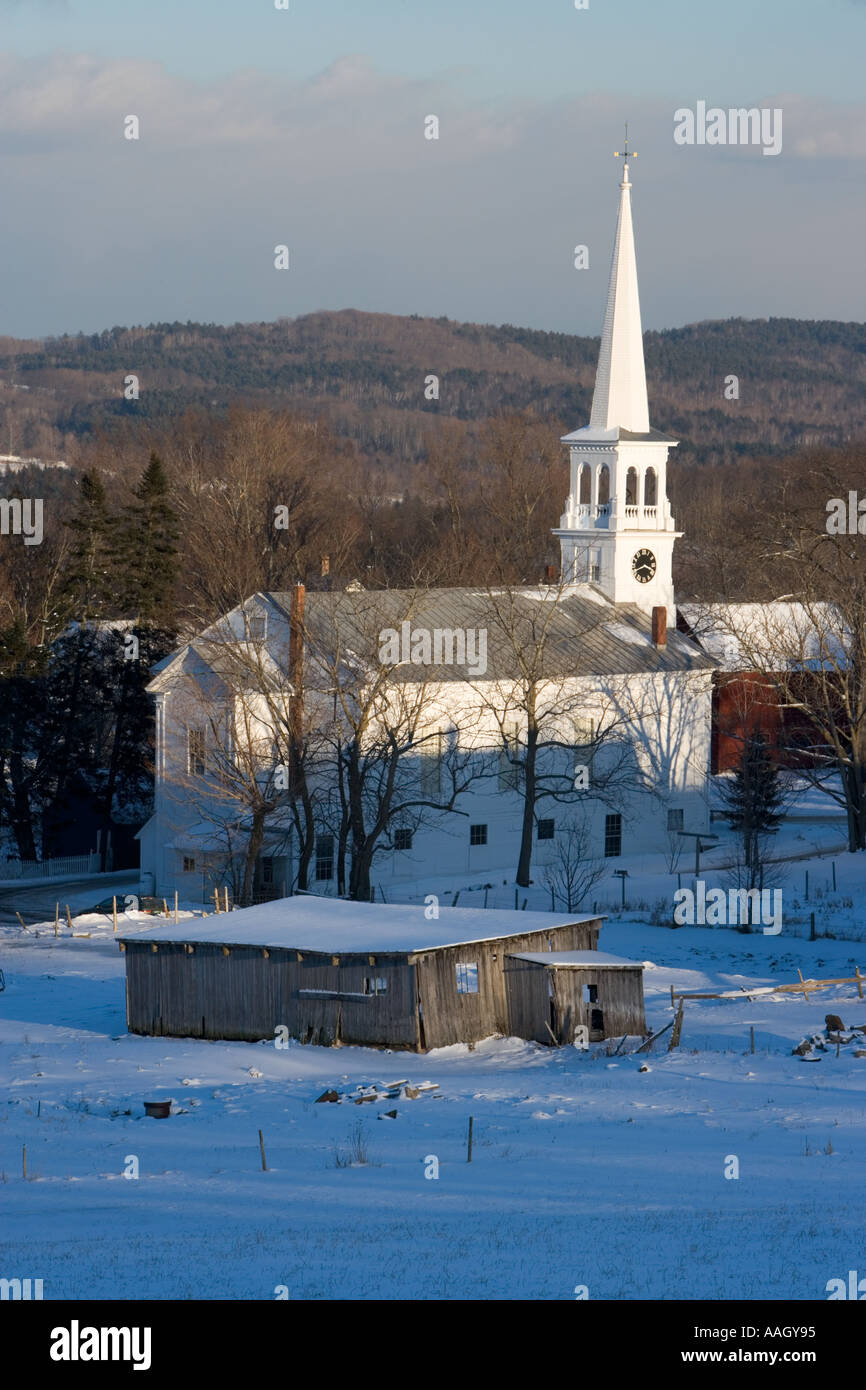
x=326, y=565
x=660, y=627
x=550, y=575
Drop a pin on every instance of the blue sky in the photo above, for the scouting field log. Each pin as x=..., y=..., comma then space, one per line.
x=305, y=127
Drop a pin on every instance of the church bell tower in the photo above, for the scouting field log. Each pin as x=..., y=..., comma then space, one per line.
x=617, y=530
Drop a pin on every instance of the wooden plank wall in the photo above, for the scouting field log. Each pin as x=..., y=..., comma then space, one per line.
x=620, y=998
x=449, y=1017
x=247, y=995
x=528, y=996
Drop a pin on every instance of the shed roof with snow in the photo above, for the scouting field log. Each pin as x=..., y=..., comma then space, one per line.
x=333, y=925
x=577, y=960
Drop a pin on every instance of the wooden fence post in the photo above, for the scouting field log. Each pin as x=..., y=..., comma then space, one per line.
x=262, y=1147
x=56, y=917
x=114, y=913
x=678, y=1028
x=469, y=1143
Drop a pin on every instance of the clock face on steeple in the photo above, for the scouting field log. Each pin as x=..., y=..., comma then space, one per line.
x=643, y=566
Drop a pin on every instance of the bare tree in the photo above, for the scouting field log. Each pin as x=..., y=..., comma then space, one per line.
x=573, y=871
x=560, y=737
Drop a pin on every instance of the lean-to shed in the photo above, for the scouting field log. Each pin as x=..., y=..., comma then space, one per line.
x=330, y=971
x=586, y=989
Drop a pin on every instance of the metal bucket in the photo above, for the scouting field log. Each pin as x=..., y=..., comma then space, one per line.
x=157, y=1109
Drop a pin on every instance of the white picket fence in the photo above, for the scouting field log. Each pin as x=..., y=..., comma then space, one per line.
x=50, y=868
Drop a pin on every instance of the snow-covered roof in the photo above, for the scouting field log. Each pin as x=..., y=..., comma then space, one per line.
x=783, y=634
x=576, y=960
x=332, y=925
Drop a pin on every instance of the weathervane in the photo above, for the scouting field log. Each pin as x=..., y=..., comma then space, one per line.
x=625, y=154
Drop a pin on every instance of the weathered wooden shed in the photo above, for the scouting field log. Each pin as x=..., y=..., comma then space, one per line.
x=330, y=971
x=582, y=989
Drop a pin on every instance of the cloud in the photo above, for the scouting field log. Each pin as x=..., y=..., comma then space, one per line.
x=479, y=224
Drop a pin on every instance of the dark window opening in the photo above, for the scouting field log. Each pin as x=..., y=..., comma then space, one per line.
x=402, y=839
x=478, y=834
x=546, y=829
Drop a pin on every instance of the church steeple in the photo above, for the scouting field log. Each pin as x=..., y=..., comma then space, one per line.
x=620, y=397
x=617, y=531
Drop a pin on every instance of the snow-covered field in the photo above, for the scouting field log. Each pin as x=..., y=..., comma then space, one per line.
x=586, y=1170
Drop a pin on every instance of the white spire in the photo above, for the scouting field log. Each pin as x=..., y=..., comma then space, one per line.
x=620, y=399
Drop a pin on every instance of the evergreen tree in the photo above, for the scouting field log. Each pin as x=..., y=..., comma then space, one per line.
x=147, y=551
x=90, y=590
x=754, y=802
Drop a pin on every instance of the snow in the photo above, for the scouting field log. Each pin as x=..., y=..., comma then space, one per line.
x=577, y=959
x=333, y=925
x=625, y=632
x=616, y=1173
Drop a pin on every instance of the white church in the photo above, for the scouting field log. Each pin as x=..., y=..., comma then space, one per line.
x=610, y=670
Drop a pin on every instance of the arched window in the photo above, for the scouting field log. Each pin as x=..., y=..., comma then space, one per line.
x=631, y=488
x=650, y=488
x=585, y=483
x=603, y=485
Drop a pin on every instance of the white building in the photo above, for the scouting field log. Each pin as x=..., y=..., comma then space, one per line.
x=611, y=668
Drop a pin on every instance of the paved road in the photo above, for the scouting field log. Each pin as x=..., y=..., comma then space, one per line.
x=36, y=902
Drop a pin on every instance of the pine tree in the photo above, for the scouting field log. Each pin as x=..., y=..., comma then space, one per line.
x=90, y=588
x=147, y=550
x=754, y=801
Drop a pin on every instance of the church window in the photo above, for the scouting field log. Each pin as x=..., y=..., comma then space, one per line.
x=478, y=834
x=324, y=857
x=631, y=488
x=509, y=753
x=650, y=488
x=431, y=764
x=675, y=820
x=603, y=485
x=585, y=486
x=195, y=752
x=613, y=836
x=584, y=740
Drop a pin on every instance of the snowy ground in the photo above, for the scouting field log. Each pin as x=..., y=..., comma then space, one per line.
x=586, y=1171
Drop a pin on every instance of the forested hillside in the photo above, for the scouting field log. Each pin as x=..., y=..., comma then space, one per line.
x=800, y=383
